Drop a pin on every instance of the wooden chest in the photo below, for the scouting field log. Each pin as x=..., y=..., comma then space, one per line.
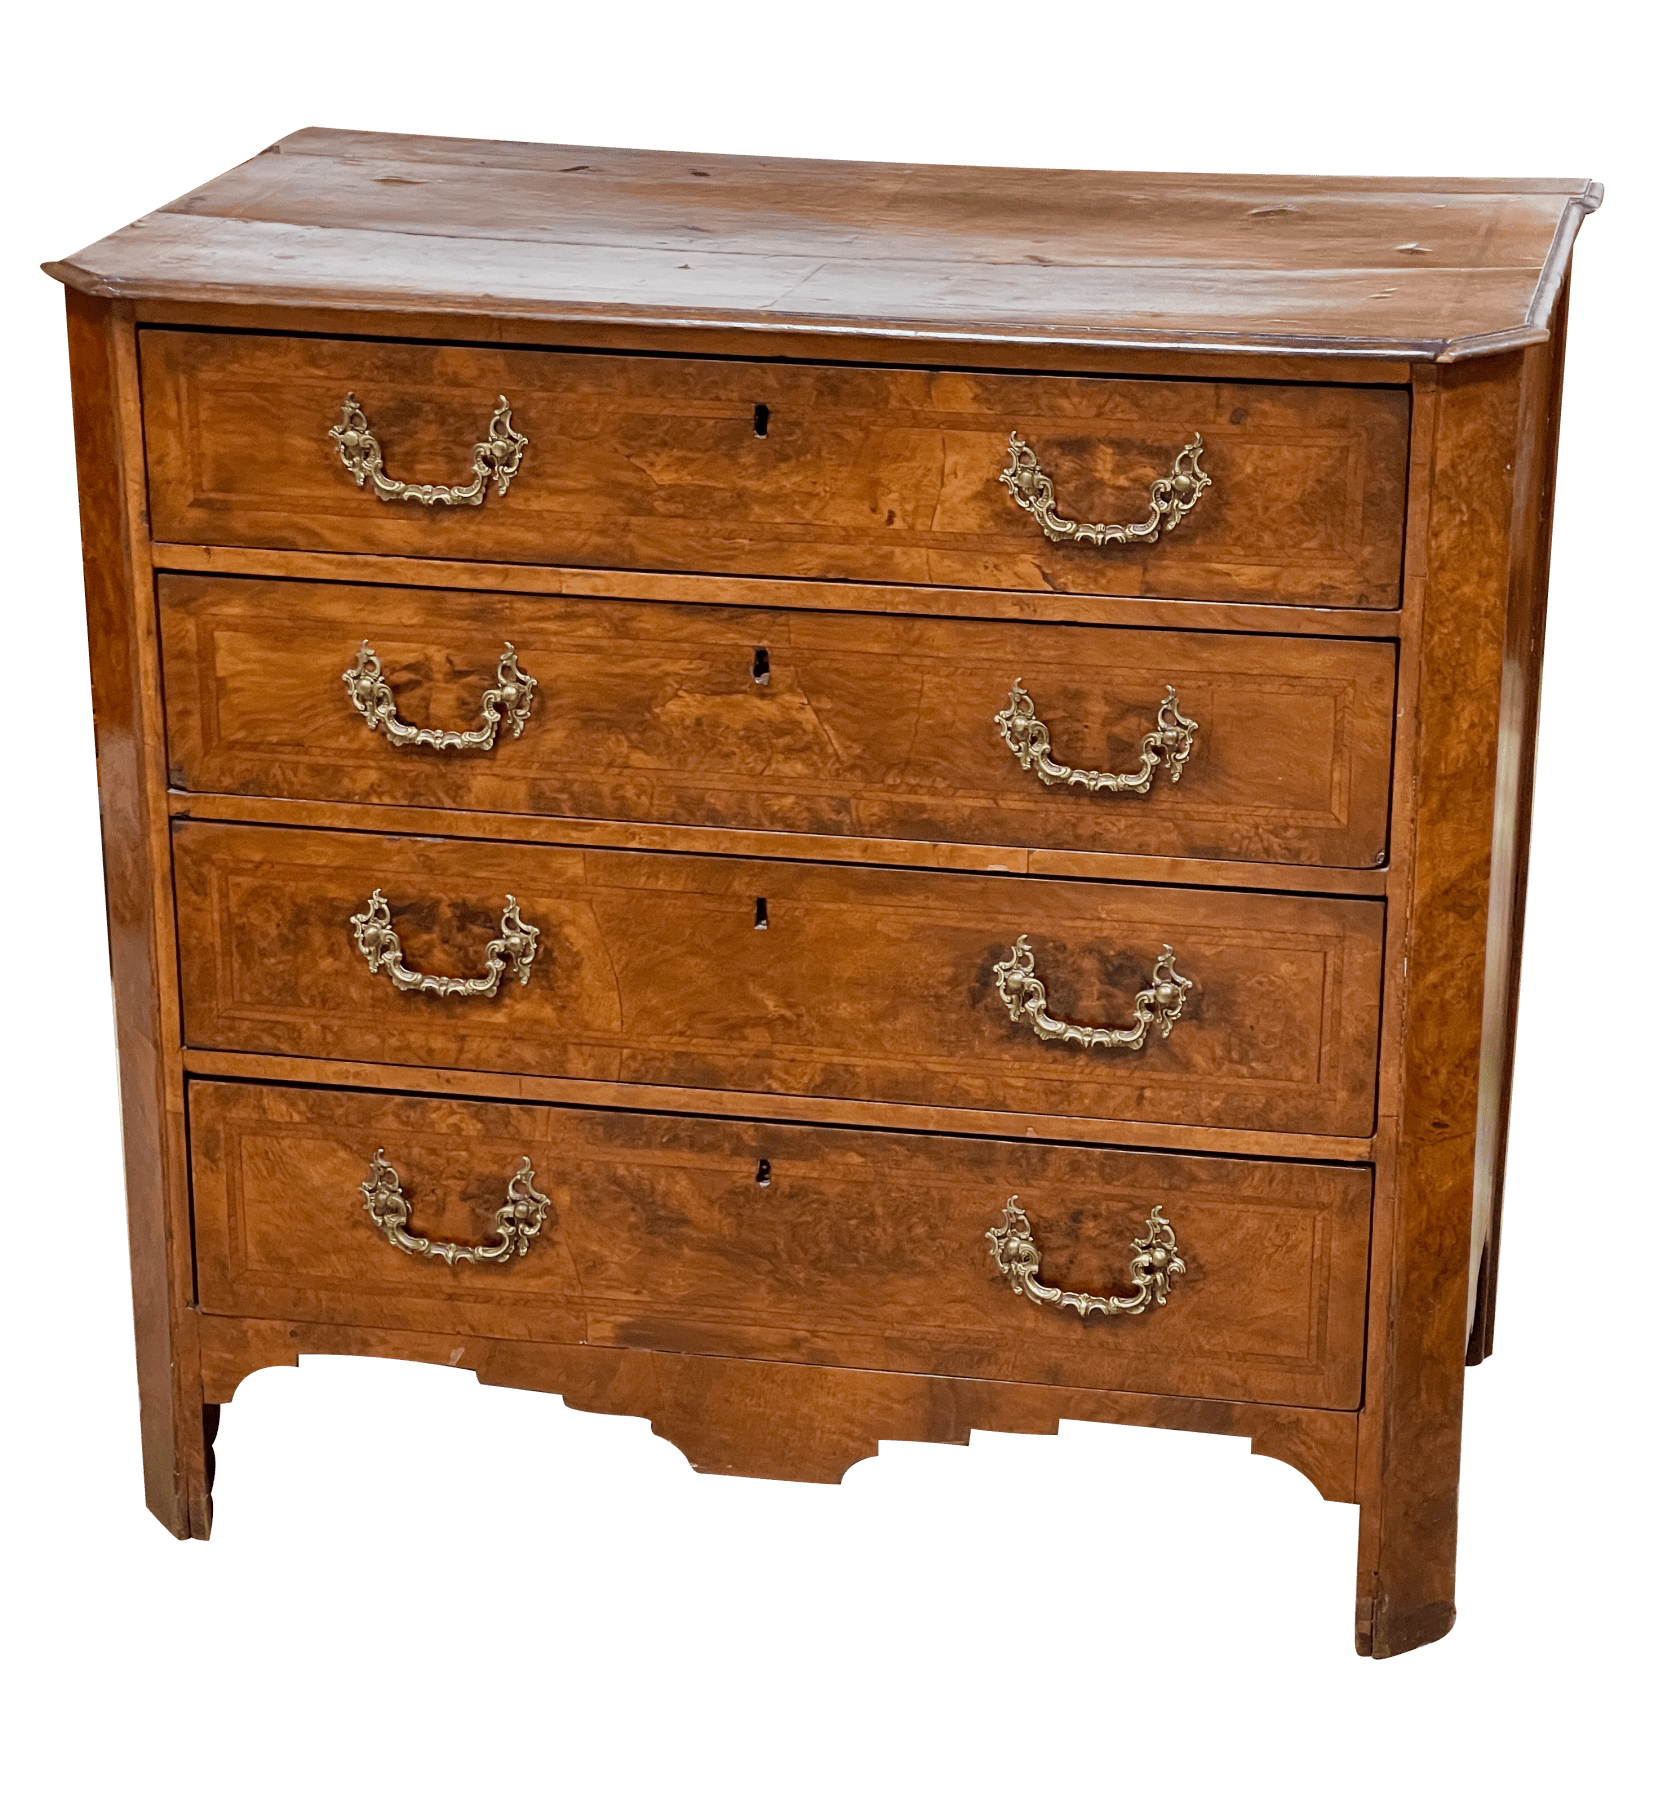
x=825, y=802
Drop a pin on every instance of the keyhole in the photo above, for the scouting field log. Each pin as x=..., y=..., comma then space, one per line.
x=764, y=1172
x=759, y=666
x=761, y=914
x=759, y=420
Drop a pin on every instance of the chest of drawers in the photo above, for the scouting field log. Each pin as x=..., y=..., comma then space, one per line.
x=656, y=852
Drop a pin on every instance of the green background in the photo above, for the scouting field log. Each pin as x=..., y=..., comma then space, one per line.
x=425, y=1586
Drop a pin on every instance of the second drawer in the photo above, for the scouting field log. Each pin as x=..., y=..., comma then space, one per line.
x=848, y=982
x=848, y=723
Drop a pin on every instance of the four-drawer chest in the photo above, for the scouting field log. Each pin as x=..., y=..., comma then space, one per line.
x=825, y=802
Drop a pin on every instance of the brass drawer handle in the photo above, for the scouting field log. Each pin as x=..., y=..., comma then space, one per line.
x=1161, y=1004
x=510, y=699
x=518, y=1220
x=497, y=459
x=1170, y=498
x=1029, y=740
x=1155, y=1262
x=511, y=954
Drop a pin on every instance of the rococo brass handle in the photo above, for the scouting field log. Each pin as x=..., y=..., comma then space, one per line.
x=1160, y=1004
x=1029, y=739
x=518, y=1220
x=1171, y=496
x=510, y=699
x=496, y=459
x=1155, y=1261
x=511, y=954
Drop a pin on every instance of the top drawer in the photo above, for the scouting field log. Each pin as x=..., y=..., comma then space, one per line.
x=775, y=469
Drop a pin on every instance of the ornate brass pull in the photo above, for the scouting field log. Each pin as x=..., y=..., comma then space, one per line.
x=1029, y=739
x=1170, y=498
x=518, y=1220
x=510, y=699
x=1155, y=1261
x=1161, y=1004
x=496, y=459
x=511, y=954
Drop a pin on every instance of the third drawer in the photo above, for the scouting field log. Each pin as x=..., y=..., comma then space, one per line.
x=851, y=982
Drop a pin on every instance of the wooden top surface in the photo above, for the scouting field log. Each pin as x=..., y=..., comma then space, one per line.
x=1417, y=269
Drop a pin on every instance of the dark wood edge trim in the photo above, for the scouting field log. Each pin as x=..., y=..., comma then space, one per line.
x=782, y=846
x=778, y=1109
x=920, y=332
x=1538, y=315
x=1494, y=343
x=918, y=336
x=994, y=605
x=697, y=1402
x=1556, y=266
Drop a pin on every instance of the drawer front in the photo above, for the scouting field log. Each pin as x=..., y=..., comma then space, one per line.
x=869, y=474
x=859, y=725
x=864, y=1249
x=863, y=983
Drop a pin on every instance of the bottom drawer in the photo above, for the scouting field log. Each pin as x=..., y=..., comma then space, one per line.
x=783, y=1242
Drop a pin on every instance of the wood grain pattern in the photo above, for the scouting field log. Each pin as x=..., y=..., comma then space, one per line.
x=863, y=1249
x=1398, y=268
x=706, y=840
x=1144, y=613
x=1374, y=366
x=863, y=474
x=802, y=1109
x=866, y=983
x=758, y=341
x=133, y=820
x=785, y=1421
x=1532, y=535
x=862, y=727
x=1409, y=1450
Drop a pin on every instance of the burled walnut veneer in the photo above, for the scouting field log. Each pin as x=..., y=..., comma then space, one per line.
x=825, y=801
